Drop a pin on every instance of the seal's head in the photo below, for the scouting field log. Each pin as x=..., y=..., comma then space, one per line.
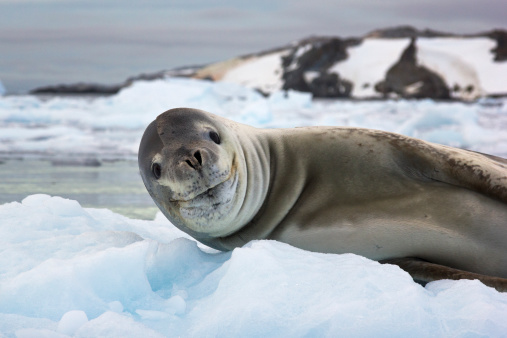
x=189, y=162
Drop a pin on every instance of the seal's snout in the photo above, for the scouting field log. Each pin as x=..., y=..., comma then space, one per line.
x=194, y=161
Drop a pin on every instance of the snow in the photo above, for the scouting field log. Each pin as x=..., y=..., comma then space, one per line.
x=111, y=127
x=264, y=72
x=71, y=321
x=466, y=62
x=299, y=52
x=368, y=63
x=70, y=271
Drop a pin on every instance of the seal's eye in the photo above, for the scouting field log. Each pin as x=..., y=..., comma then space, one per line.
x=213, y=135
x=156, y=169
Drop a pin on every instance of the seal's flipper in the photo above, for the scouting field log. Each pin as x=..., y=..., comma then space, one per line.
x=424, y=272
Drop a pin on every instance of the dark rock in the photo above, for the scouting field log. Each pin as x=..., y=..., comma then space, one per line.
x=406, y=32
x=408, y=80
x=322, y=53
x=98, y=89
x=78, y=88
x=144, y=77
x=330, y=85
x=500, y=51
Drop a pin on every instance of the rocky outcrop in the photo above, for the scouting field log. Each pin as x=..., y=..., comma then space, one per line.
x=78, y=89
x=99, y=89
x=406, y=32
x=306, y=67
x=500, y=51
x=409, y=80
x=330, y=85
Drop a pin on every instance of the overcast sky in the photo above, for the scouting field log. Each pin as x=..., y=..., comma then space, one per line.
x=53, y=41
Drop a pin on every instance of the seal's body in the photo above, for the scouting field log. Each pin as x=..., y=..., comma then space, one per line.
x=328, y=189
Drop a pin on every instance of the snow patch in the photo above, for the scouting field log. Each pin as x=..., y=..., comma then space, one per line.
x=71, y=322
x=89, y=272
x=368, y=63
x=263, y=73
x=466, y=63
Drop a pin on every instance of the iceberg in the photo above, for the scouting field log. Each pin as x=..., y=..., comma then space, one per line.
x=111, y=127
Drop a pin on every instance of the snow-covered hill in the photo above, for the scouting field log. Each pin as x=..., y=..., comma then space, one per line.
x=389, y=63
x=399, y=62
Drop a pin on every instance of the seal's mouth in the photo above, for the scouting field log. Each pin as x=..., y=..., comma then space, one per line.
x=214, y=195
x=212, y=203
x=210, y=193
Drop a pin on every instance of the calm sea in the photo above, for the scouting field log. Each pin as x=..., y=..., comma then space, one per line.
x=113, y=185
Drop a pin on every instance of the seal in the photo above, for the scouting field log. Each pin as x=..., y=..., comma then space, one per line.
x=436, y=211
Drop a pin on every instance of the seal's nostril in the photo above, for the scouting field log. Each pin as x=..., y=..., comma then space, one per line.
x=190, y=164
x=197, y=155
x=195, y=161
